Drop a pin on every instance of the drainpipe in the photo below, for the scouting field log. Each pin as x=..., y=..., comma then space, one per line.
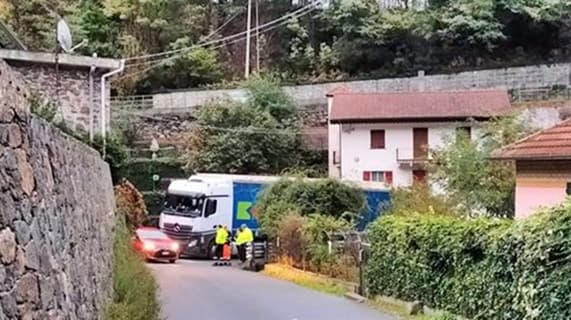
x=103, y=90
x=91, y=73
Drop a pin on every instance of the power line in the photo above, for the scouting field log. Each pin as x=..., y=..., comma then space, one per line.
x=162, y=61
x=308, y=7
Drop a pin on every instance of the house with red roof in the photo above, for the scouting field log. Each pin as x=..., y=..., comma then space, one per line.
x=385, y=137
x=543, y=168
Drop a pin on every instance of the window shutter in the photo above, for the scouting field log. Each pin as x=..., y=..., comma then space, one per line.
x=389, y=177
x=366, y=175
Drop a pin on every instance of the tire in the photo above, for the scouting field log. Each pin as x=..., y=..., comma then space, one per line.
x=211, y=250
x=172, y=260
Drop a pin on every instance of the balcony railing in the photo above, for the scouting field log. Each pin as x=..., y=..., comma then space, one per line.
x=408, y=160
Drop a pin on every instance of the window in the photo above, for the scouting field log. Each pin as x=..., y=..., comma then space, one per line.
x=377, y=139
x=568, y=188
x=378, y=176
x=464, y=132
x=335, y=158
x=210, y=207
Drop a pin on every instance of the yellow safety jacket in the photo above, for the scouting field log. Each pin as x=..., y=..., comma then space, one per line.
x=221, y=236
x=245, y=236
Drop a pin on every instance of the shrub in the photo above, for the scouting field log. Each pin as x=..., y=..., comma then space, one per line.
x=140, y=171
x=134, y=288
x=325, y=196
x=130, y=204
x=292, y=242
x=481, y=269
x=420, y=199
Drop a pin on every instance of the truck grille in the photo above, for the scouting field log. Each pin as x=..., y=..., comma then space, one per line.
x=177, y=232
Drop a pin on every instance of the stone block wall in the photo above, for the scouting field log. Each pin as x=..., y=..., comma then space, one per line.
x=56, y=220
x=72, y=93
x=314, y=94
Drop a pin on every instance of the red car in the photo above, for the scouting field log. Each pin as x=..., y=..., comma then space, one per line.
x=154, y=245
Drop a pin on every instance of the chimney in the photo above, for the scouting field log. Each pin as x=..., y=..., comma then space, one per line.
x=420, y=76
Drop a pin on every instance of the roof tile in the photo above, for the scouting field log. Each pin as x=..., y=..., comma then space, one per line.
x=365, y=107
x=553, y=143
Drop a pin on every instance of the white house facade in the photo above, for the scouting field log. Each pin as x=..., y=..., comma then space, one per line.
x=386, y=138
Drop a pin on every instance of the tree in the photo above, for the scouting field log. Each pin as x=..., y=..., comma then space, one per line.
x=97, y=28
x=464, y=170
x=258, y=136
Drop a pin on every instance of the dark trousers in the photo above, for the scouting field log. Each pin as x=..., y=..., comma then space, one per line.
x=219, y=250
x=242, y=252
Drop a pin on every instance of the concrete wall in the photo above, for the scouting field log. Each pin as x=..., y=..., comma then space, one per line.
x=510, y=78
x=357, y=155
x=72, y=94
x=56, y=219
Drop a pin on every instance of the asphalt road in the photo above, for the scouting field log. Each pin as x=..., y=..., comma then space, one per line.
x=194, y=290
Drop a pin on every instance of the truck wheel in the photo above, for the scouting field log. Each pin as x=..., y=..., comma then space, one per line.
x=211, y=250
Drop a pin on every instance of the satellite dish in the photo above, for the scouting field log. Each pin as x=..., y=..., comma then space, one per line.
x=64, y=36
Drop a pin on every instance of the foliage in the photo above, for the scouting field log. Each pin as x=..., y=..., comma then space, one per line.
x=420, y=199
x=465, y=171
x=140, y=171
x=134, y=287
x=349, y=39
x=115, y=153
x=130, y=204
x=258, y=136
x=153, y=202
x=481, y=268
x=330, y=197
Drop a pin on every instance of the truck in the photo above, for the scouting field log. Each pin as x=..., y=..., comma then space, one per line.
x=194, y=207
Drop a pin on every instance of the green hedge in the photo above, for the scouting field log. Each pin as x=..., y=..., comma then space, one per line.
x=140, y=171
x=481, y=269
x=153, y=201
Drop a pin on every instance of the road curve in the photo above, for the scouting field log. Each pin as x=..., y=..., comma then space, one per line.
x=196, y=290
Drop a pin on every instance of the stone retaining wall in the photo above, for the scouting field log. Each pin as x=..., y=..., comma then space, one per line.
x=56, y=219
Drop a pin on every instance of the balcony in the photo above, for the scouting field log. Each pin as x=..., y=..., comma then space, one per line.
x=409, y=159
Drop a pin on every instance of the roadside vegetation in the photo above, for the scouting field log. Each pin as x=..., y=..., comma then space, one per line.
x=134, y=287
x=478, y=268
x=259, y=136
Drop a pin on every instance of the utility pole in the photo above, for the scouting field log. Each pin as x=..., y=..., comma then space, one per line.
x=248, y=33
x=257, y=38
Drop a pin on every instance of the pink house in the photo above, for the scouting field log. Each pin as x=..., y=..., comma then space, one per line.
x=543, y=166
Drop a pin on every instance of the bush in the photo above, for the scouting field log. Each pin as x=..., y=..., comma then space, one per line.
x=481, y=269
x=134, y=288
x=130, y=204
x=420, y=199
x=140, y=171
x=325, y=196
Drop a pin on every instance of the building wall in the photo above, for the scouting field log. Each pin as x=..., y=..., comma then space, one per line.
x=357, y=155
x=72, y=94
x=540, y=184
x=56, y=219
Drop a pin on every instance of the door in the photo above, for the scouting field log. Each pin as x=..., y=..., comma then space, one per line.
x=420, y=143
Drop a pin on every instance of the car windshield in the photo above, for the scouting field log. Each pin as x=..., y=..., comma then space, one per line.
x=184, y=205
x=151, y=234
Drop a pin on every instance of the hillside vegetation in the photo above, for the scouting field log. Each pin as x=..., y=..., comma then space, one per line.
x=349, y=39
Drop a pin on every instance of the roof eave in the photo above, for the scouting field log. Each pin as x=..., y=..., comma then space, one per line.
x=410, y=119
x=62, y=59
x=530, y=157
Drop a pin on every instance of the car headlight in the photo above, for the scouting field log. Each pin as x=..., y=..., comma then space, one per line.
x=193, y=243
x=174, y=246
x=148, y=246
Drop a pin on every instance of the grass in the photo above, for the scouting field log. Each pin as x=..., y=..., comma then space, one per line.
x=134, y=288
x=305, y=279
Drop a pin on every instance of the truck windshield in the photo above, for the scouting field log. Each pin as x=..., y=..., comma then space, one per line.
x=184, y=205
